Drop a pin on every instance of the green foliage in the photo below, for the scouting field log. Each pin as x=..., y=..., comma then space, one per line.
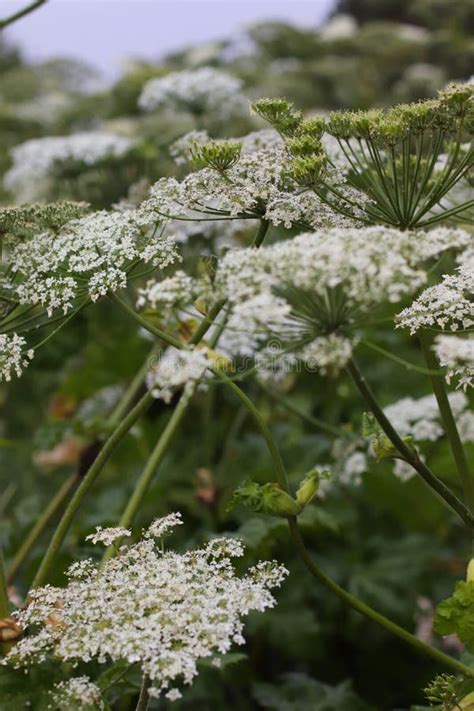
x=299, y=692
x=455, y=615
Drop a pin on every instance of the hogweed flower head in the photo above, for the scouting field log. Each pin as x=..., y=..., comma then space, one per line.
x=107, y=536
x=35, y=160
x=76, y=694
x=163, y=611
x=176, y=369
x=89, y=255
x=446, y=306
x=310, y=293
x=203, y=91
x=457, y=356
x=14, y=355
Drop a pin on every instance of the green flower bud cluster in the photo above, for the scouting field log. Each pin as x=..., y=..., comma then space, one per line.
x=446, y=690
x=280, y=114
x=273, y=500
x=389, y=128
x=219, y=155
x=309, y=158
x=457, y=99
x=307, y=171
x=314, y=127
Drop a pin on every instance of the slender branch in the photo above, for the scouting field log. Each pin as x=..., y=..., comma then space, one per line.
x=144, y=698
x=130, y=393
x=449, y=423
x=21, y=13
x=151, y=466
x=4, y=601
x=89, y=479
x=265, y=430
x=40, y=525
x=158, y=332
x=261, y=233
x=410, y=455
x=206, y=323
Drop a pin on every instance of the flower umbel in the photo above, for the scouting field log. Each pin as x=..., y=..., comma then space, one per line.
x=161, y=610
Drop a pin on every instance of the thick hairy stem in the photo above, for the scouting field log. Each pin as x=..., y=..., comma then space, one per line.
x=151, y=466
x=143, y=699
x=370, y=613
x=21, y=13
x=41, y=524
x=60, y=533
x=348, y=598
x=449, y=423
x=409, y=454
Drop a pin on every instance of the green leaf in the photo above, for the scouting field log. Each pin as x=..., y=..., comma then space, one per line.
x=455, y=615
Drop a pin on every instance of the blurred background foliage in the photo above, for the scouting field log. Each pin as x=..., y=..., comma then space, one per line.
x=387, y=541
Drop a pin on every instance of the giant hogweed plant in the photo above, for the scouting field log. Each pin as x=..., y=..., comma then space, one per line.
x=369, y=201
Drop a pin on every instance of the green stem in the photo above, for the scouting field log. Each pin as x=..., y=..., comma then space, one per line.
x=409, y=454
x=130, y=393
x=87, y=482
x=206, y=323
x=401, y=361
x=449, y=423
x=265, y=430
x=144, y=698
x=151, y=466
x=40, y=525
x=21, y=13
x=261, y=233
x=369, y=612
x=4, y=601
x=348, y=598
x=166, y=337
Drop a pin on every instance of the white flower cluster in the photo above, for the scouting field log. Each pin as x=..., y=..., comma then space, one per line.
x=34, y=160
x=164, y=526
x=91, y=254
x=199, y=91
x=178, y=290
x=13, y=355
x=258, y=185
x=420, y=417
x=448, y=305
x=107, y=536
x=312, y=286
x=175, y=369
x=328, y=354
x=76, y=694
x=163, y=611
x=457, y=356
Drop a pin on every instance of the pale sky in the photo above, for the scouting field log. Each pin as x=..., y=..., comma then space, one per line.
x=105, y=32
